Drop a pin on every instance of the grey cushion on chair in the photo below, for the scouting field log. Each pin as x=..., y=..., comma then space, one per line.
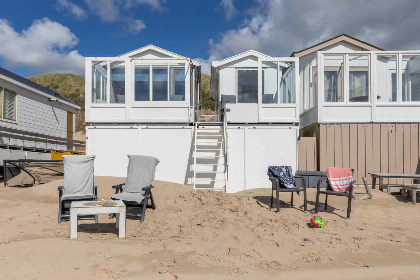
x=140, y=172
x=78, y=177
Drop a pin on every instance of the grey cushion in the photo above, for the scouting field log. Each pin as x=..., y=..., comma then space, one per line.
x=140, y=173
x=127, y=196
x=78, y=176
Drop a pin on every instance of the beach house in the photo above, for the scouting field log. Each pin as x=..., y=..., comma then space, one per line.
x=142, y=102
x=362, y=104
x=33, y=119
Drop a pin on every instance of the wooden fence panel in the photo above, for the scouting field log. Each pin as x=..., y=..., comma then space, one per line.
x=399, y=151
x=345, y=131
x=406, y=149
x=376, y=146
x=307, y=153
x=353, y=149
x=323, y=147
x=414, y=133
x=338, y=146
x=384, y=149
x=361, y=152
x=330, y=145
x=369, y=152
x=391, y=151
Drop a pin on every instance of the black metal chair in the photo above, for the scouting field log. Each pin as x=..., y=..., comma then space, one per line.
x=330, y=191
x=278, y=187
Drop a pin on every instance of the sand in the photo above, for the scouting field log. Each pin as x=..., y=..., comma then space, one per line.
x=210, y=235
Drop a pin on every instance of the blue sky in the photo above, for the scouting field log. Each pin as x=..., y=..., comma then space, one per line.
x=54, y=35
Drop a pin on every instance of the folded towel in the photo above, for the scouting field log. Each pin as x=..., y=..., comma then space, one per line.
x=284, y=174
x=339, y=178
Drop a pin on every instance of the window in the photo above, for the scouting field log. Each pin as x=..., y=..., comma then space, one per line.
x=270, y=83
x=177, y=83
x=248, y=86
x=9, y=105
x=99, y=82
x=160, y=83
x=117, y=94
x=333, y=78
x=359, y=78
x=308, y=80
x=287, y=84
x=411, y=78
x=142, y=83
x=386, y=78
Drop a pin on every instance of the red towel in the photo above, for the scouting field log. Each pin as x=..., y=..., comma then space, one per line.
x=339, y=178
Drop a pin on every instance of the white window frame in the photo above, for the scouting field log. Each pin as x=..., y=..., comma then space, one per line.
x=2, y=90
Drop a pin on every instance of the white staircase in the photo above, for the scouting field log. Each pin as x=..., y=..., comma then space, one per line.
x=210, y=162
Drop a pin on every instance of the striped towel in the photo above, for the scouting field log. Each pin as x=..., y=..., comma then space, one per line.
x=339, y=178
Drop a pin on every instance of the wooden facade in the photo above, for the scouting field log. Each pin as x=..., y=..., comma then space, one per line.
x=368, y=147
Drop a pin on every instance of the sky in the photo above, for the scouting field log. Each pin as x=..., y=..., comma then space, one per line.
x=49, y=36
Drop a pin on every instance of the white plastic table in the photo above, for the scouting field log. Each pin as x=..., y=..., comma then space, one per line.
x=77, y=208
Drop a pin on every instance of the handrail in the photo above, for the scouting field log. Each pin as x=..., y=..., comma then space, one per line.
x=195, y=152
x=23, y=135
x=225, y=147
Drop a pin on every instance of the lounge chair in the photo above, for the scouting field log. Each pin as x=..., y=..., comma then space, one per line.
x=279, y=185
x=330, y=191
x=78, y=184
x=138, y=186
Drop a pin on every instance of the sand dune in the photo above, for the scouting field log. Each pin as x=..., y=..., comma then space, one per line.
x=210, y=235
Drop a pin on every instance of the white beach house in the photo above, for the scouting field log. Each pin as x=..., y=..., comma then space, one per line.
x=362, y=104
x=142, y=102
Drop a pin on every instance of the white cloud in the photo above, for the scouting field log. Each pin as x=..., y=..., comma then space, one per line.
x=134, y=26
x=67, y=7
x=157, y=5
x=279, y=27
x=45, y=47
x=106, y=10
x=118, y=11
x=205, y=65
x=229, y=8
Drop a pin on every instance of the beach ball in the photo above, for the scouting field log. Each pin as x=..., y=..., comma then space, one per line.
x=317, y=222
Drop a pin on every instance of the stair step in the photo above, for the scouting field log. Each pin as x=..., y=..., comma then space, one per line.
x=209, y=149
x=208, y=142
x=208, y=172
x=209, y=180
x=209, y=164
x=201, y=157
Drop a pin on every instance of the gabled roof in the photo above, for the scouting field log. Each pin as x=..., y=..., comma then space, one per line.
x=151, y=47
x=37, y=87
x=335, y=40
x=237, y=57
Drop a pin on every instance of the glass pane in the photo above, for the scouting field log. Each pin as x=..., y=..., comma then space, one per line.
x=142, y=83
x=99, y=82
x=359, y=78
x=177, y=83
x=333, y=78
x=248, y=86
x=386, y=78
x=118, y=83
x=411, y=78
x=270, y=83
x=9, y=105
x=160, y=83
x=308, y=84
x=287, y=84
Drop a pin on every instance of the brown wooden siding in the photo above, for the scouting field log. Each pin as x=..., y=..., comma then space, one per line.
x=307, y=153
x=386, y=147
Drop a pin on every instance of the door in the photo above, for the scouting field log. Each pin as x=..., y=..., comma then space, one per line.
x=70, y=130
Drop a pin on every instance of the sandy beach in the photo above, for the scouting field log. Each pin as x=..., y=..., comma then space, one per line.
x=210, y=235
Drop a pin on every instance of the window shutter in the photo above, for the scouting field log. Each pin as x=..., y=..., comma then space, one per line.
x=9, y=105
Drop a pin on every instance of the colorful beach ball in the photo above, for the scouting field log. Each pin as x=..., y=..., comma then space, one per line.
x=317, y=222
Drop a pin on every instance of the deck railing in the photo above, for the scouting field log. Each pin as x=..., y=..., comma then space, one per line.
x=26, y=140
